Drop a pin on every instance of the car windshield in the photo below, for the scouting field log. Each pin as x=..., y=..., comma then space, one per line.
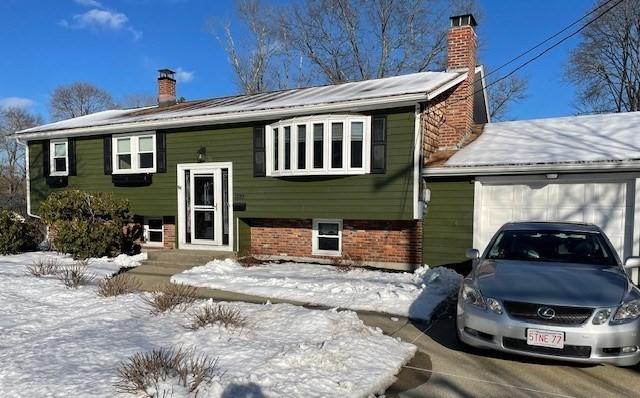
x=552, y=246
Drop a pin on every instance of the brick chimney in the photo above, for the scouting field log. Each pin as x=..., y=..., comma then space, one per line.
x=462, y=43
x=166, y=87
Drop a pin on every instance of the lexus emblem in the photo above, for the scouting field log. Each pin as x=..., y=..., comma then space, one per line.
x=546, y=312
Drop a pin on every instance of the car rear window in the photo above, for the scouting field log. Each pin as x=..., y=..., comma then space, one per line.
x=552, y=246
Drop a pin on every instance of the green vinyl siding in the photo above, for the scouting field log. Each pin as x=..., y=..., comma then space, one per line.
x=448, y=222
x=375, y=196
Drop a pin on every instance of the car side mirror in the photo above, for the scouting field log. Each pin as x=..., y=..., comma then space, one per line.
x=472, y=254
x=632, y=262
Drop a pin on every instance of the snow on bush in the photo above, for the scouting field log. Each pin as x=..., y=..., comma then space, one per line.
x=166, y=373
x=414, y=295
x=63, y=343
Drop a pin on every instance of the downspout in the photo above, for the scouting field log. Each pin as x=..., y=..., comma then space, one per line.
x=28, y=177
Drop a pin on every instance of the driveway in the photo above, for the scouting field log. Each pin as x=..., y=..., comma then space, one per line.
x=446, y=368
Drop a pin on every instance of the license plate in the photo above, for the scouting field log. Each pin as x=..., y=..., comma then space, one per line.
x=545, y=338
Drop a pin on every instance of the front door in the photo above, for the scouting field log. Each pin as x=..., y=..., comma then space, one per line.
x=205, y=207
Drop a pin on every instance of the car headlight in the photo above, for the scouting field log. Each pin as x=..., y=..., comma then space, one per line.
x=627, y=312
x=601, y=316
x=472, y=296
x=494, y=305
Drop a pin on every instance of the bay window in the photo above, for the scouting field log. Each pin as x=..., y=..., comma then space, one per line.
x=134, y=153
x=319, y=145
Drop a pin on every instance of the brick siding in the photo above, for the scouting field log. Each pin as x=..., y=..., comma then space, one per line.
x=365, y=240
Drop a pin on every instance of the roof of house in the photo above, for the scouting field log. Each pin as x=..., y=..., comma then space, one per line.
x=574, y=140
x=369, y=94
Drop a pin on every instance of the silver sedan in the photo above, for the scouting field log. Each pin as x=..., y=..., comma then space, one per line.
x=552, y=290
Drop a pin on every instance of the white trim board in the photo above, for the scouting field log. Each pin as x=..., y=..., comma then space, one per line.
x=180, y=168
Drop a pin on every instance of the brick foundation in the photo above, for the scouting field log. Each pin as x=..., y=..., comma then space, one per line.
x=398, y=242
x=169, y=236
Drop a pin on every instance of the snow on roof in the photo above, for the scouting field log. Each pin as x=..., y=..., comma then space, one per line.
x=415, y=83
x=576, y=139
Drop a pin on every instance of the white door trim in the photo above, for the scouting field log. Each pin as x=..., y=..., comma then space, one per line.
x=181, y=168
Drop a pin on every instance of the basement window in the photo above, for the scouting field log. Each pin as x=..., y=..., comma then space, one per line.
x=319, y=145
x=153, y=231
x=327, y=237
x=134, y=153
x=59, y=150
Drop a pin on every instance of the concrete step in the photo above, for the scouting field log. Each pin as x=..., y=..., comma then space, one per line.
x=199, y=257
x=171, y=264
x=149, y=269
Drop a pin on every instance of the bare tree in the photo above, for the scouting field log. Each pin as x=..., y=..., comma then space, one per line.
x=79, y=99
x=605, y=65
x=504, y=93
x=332, y=41
x=12, y=166
x=252, y=56
x=138, y=101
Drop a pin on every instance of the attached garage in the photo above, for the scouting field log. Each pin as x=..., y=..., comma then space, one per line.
x=607, y=200
x=578, y=169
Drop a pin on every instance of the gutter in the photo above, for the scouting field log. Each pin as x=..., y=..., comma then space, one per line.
x=631, y=165
x=28, y=177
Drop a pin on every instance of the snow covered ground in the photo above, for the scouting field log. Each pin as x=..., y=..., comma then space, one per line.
x=58, y=342
x=415, y=295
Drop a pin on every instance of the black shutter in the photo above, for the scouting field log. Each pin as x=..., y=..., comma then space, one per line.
x=259, y=155
x=108, y=165
x=46, y=159
x=379, y=145
x=71, y=147
x=161, y=152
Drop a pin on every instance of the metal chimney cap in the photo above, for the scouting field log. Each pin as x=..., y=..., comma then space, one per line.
x=463, y=20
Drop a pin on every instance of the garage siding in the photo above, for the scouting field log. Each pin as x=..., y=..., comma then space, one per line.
x=448, y=222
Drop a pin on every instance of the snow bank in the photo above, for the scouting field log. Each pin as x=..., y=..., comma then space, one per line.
x=414, y=295
x=99, y=267
x=59, y=342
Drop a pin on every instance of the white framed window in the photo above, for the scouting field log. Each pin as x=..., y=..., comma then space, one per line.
x=319, y=145
x=327, y=237
x=153, y=231
x=59, y=157
x=134, y=153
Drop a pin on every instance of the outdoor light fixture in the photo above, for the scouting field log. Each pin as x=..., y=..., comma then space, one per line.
x=202, y=154
x=552, y=176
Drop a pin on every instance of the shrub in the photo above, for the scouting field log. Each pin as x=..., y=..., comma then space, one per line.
x=211, y=314
x=153, y=373
x=16, y=234
x=43, y=266
x=118, y=284
x=170, y=296
x=74, y=275
x=86, y=224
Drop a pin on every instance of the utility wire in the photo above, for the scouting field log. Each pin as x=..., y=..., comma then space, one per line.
x=550, y=38
x=546, y=50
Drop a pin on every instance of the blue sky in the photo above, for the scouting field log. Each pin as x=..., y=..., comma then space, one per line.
x=119, y=45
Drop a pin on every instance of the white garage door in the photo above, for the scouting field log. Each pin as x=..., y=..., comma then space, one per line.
x=608, y=204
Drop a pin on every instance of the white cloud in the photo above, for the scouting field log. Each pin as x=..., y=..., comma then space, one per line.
x=184, y=76
x=16, y=102
x=89, y=3
x=100, y=18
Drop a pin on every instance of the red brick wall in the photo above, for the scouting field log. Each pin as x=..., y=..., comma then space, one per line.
x=281, y=237
x=169, y=235
x=366, y=240
x=458, y=119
